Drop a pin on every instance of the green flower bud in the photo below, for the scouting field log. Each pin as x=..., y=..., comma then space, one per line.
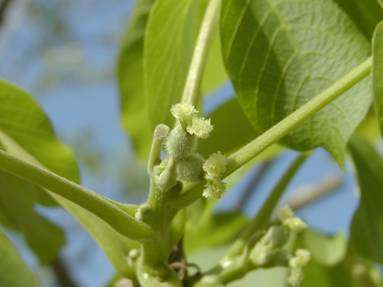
x=295, y=224
x=184, y=113
x=134, y=253
x=200, y=127
x=215, y=166
x=295, y=277
x=301, y=258
x=285, y=213
x=190, y=168
x=296, y=263
x=180, y=144
x=214, y=188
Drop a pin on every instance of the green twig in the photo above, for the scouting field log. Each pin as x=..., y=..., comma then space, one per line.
x=193, y=81
x=87, y=199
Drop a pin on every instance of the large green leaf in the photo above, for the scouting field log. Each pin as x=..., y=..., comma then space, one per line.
x=367, y=223
x=366, y=14
x=169, y=43
x=27, y=133
x=14, y=272
x=377, y=73
x=280, y=54
x=228, y=117
x=133, y=103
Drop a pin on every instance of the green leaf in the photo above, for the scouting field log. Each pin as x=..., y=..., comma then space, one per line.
x=17, y=201
x=14, y=272
x=317, y=275
x=228, y=117
x=365, y=14
x=377, y=73
x=280, y=54
x=115, y=246
x=216, y=229
x=27, y=133
x=169, y=43
x=327, y=250
x=134, y=111
x=369, y=128
x=215, y=74
x=367, y=223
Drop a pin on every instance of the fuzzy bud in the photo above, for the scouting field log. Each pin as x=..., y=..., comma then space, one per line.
x=296, y=263
x=214, y=188
x=190, y=168
x=301, y=258
x=289, y=220
x=295, y=224
x=285, y=213
x=184, y=112
x=215, y=166
x=295, y=277
x=200, y=127
x=180, y=144
x=161, y=132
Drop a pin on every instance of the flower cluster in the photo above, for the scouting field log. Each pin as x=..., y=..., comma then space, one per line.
x=188, y=117
x=270, y=248
x=296, y=263
x=295, y=224
x=214, y=168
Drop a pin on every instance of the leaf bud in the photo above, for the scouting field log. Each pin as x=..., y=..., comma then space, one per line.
x=190, y=168
x=168, y=178
x=180, y=144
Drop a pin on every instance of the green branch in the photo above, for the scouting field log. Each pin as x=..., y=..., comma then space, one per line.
x=193, y=81
x=87, y=199
x=192, y=192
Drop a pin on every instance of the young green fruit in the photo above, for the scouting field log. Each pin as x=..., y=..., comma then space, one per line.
x=180, y=144
x=190, y=168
